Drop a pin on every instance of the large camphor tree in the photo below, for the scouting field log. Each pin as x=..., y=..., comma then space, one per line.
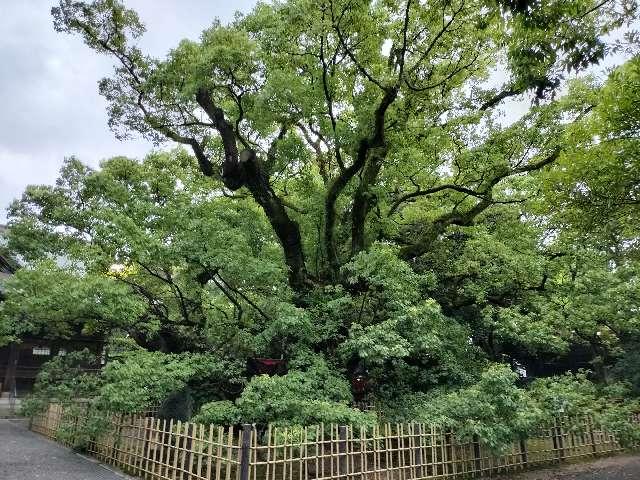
x=373, y=104
x=357, y=193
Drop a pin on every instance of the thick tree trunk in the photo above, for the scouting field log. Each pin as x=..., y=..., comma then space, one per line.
x=333, y=192
x=286, y=229
x=369, y=157
x=245, y=169
x=362, y=202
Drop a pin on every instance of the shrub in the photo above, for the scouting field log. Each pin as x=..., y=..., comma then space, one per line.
x=222, y=412
x=494, y=409
x=575, y=396
x=315, y=395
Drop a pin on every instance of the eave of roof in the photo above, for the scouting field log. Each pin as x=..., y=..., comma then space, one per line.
x=6, y=266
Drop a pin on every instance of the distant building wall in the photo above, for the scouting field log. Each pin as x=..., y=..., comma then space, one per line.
x=21, y=362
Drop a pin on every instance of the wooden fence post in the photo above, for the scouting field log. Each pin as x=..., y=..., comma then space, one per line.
x=592, y=436
x=558, y=442
x=116, y=436
x=523, y=453
x=245, y=451
x=476, y=453
x=342, y=450
x=447, y=450
x=418, y=444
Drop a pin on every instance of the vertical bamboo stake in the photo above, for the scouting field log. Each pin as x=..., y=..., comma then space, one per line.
x=191, y=453
x=125, y=443
x=148, y=436
x=561, y=438
x=219, y=453
x=162, y=446
x=434, y=457
x=289, y=455
x=414, y=451
x=322, y=465
x=381, y=445
x=306, y=454
x=284, y=453
x=386, y=452
x=388, y=456
x=153, y=446
x=122, y=442
x=302, y=453
x=463, y=458
x=419, y=450
x=139, y=446
x=209, y=453
x=268, y=467
x=443, y=452
x=453, y=458
x=255, y=452
x=591, y=435
x=176, y=455
x=132, y=443
x=351, y=453
x=145, y=446
x=363, y=453
x=572, y=441
x=185, y=445
x=274, y=444
x=364, y=462
x=491, y=461
x=229, y=453
x=318, y=439
x=200, y=449
x=192, y=431
x=342, y=450
x=402, y=472
x=285, y=456
x=351, y=457
x=523, y=453
x=376, y=452
x=170, y=448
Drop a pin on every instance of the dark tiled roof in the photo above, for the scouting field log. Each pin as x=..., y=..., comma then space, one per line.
x=7, y=265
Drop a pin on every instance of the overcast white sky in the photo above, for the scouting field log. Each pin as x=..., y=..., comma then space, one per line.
x=49, y=102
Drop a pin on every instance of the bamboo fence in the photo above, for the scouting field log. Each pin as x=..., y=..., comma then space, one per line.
x=172, y=450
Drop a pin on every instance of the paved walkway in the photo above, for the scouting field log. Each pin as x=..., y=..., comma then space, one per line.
x=25, y=455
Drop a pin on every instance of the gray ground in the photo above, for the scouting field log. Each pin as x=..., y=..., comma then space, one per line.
x=25, y=455
x=621, y=467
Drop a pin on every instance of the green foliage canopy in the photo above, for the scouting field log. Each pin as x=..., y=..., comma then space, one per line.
x=350, y=200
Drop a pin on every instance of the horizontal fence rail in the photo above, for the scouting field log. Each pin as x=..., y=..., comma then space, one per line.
x=171, y=450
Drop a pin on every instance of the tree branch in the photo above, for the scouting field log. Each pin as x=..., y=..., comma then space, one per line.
x=439, y=225
x=420, y=193
x=350, y=54
x=329, y=100
x=493, y=101
x=232, y=174
x=245, y=298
